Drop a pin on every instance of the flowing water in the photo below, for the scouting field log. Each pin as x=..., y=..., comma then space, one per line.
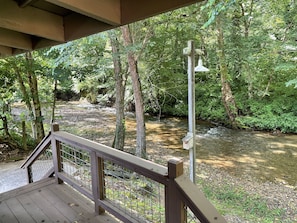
x=265, y=156
x=262, y=155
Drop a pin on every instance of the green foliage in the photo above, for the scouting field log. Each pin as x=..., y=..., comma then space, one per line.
x=216, y=7
x=17, y=138
x=266, y=114
x=260, y=52
x=286, y=123
x=235, y=200
x=292, y=82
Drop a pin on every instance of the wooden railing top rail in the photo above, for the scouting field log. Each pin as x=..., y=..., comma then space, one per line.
x=37, y=151
x=196, y=201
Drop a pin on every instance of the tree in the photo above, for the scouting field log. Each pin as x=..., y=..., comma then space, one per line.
x=57, y=71
x=6, y=96
x=133, y=70
x=227, y=95
x=26, y=71
x=120, y=80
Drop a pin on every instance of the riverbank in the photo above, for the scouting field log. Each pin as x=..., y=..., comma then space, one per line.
x=246, y=200
x=241, y=199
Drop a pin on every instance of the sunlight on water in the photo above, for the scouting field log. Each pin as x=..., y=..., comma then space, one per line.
x=265, y=156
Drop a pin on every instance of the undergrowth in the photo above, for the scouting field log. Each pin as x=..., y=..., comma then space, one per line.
x=236, y=201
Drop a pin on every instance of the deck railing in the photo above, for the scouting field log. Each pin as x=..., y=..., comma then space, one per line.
x=39, y=164
x=130, y=188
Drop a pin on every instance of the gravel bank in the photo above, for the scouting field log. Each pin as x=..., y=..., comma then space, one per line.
x=276, y=195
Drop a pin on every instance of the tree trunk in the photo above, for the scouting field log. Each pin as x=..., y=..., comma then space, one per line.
x=132, y=63
x=227, y=96
x=4, y=119
x=120, y=78
x=24, y=136
x=32, y=80
x=26, y=98
x=246, y=15
x=54, y=101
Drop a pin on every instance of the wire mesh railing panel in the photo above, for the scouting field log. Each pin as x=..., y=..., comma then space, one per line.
x=76, y=165
x=191, y=218
x=137, y=196
x=42, y=165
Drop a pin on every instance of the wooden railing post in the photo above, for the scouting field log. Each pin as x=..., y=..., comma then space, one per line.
x=174, y=207
x=56, y=153
x=29, y=174
x=97, y=174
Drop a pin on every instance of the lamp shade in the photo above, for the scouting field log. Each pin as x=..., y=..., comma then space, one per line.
x=200, y=67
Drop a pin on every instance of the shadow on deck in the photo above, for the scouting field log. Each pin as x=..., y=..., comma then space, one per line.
x=46, y=201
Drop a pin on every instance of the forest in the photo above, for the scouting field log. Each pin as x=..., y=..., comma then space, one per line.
x=248, y=46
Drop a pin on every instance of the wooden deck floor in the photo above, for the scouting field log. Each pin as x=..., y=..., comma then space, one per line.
x=46, y=201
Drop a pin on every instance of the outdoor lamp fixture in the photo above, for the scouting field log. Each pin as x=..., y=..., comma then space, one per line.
x=200, y=67
x=189, y=140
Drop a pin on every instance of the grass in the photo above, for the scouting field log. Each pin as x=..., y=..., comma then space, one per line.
x=235, y=201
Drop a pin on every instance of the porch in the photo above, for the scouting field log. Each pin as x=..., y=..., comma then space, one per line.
x=46, y=201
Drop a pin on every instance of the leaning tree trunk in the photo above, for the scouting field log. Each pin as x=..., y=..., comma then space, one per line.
x=32, y=80
x=132, y=63
x=120, y=78
x=227, y=96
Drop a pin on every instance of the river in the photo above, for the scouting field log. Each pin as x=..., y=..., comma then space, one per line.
x=262, y=155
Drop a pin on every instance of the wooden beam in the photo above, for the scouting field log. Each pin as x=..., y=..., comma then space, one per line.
x=31, y=21
x=15, y=39
x=18, y=51
x=5, y=51
x=107, y=11
x=39, y=43
x=24, y=3
x=135, y=10
x=77, y=26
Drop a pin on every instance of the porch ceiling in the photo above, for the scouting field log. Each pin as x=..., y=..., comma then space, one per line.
x=32, y=24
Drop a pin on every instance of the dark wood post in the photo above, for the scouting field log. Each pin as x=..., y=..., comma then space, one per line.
x=97, y=172
x=30, y=174
x=174, y=208
x=56, y=153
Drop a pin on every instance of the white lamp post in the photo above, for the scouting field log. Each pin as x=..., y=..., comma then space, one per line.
x=189, y=139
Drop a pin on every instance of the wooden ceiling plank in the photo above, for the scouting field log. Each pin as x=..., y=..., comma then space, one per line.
x=15, y=39
x=133, y=10
x=31, y=21
x=107, y=11
x=77, y=26
x=5, y=51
